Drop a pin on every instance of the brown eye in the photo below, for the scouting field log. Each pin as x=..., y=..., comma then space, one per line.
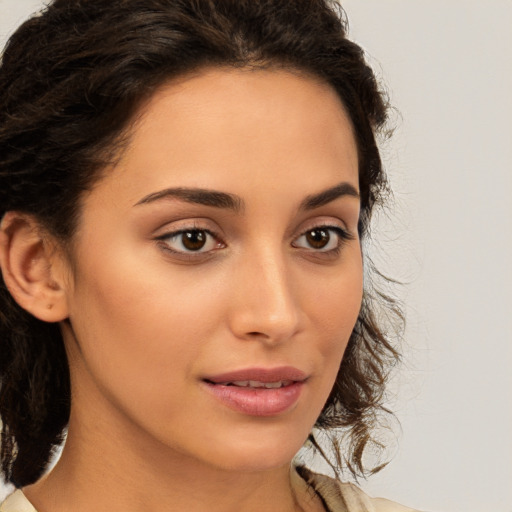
x=188, y=241
x=318, y=238
x=193, y=240
x=322, y=239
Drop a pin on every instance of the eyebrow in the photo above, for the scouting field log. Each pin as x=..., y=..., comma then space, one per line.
x=197, y=196
x=233, y=202
x=326, y=196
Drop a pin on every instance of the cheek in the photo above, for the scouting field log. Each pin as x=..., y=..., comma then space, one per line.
x=139, y=326
x=335, y=304
x=334, y=307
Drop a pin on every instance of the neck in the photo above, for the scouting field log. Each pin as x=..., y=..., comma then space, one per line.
x=101, y=472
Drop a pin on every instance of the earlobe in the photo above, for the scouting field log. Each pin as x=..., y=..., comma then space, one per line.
x=30, y=268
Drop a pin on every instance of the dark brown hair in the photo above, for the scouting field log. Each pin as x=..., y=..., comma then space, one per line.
x=71, y=81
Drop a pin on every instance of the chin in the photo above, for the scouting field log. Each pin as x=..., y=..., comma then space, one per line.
x=251, y=450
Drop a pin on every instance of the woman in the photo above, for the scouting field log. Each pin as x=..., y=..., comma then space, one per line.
x=185, y=187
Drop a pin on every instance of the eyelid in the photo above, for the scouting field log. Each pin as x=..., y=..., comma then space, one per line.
x=184, y=223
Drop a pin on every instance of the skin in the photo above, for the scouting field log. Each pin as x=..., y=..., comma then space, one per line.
x=146, y=324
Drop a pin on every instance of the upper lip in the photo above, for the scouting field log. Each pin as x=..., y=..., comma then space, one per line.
x=259, y=374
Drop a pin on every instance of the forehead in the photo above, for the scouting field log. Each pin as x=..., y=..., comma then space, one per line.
x=231, y=128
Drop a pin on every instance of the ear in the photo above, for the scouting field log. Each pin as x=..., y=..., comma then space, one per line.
x=33, y=267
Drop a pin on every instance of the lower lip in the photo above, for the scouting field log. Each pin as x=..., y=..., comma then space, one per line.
x=257, y=401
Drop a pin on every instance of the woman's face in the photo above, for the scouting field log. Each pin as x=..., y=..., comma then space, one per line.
x=217, y=271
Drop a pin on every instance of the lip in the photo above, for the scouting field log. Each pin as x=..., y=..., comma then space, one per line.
x=258, y=401
x=260, y=374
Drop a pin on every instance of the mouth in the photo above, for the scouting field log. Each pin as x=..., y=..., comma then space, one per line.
x=258, y=391
x=254, y=384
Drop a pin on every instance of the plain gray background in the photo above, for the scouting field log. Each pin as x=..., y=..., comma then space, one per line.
x=448, y=69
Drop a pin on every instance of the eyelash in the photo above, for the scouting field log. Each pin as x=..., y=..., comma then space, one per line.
x=342, y=235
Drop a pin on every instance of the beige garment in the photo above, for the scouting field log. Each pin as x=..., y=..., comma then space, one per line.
x=17, y=502
x=336, y=496
x=344, y=497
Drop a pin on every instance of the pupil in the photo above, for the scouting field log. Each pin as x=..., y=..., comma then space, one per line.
x=318, y=238
x=193, y=240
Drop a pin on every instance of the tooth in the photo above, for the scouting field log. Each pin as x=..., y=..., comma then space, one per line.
x=272, y=385
x=256, y=384
x=241, y=383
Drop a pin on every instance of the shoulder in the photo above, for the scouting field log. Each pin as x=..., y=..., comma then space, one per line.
x=17, y=502
x=346, y=497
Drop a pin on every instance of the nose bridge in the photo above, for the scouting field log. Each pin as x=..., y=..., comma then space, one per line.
x=265, y=303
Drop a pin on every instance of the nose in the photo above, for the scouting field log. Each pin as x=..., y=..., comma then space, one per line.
x=264, y=304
